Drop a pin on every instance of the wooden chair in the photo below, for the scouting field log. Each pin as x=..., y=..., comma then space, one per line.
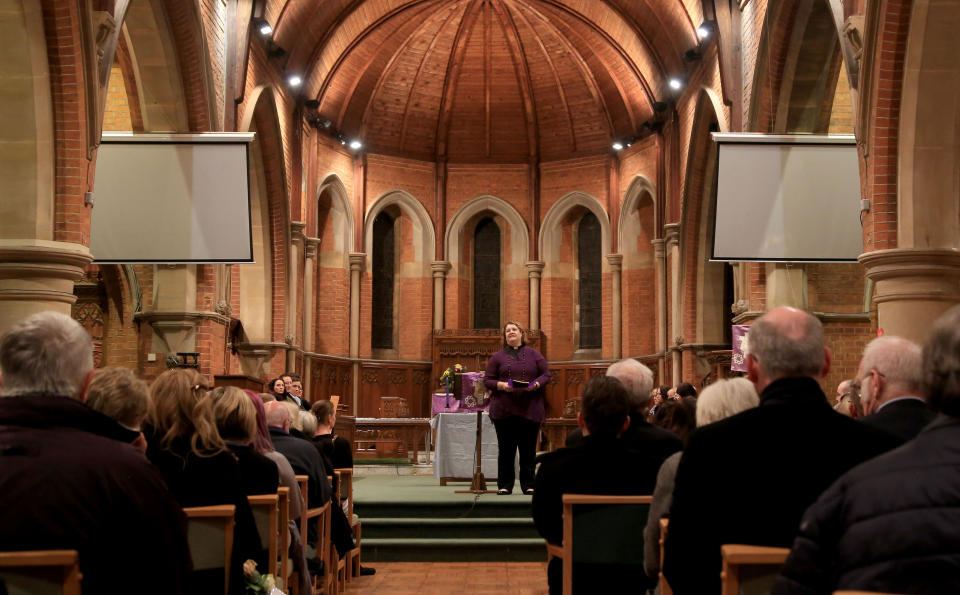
x=40, y=572
x=750, y=569
x=266, y=514
x=328, y=583
x=607, y=530
x=210, y=535
x=664, y=585
x=346, y=494
x=283, y=508
x=860, y=593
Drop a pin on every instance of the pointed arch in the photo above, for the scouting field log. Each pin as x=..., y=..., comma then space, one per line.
x=334, y=213
x=549, y=239
x=519, y=236
x=424, y=236
x=637, y=228
x=640, y=188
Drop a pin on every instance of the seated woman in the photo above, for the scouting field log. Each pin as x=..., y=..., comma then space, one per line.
x=182, y=441
x=336, y=448
x=237, y=424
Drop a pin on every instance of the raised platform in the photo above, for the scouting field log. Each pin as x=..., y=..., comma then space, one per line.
x=411, y=518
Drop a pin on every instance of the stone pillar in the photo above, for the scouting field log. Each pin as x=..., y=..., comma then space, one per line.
x=616, y=265
x=534, y=272
x=672, y=238
x=357, y=262
x=786, y=285
x=913, y=287
x=440, y=269
x=293, y=269
x=309, y=306
x=660, y=266
x=38, y=275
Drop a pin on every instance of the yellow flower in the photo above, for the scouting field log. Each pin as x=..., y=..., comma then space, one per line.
x=249, y=567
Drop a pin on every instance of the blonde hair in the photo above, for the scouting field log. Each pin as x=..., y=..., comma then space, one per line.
x=178, y=412
x=120, y=395
x=293, y=413
x=308, y=422
x=725, y=398
x=235, y=414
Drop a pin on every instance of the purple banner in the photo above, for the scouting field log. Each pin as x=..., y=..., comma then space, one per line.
x=738, y=363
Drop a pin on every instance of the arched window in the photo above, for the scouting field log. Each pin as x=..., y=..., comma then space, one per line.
x=384, y=268
x=486, y=275
x=589, y=242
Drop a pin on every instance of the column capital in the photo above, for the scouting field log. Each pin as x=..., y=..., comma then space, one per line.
x=296, y=230
x=535, y=268
x=671, y=232
x=357, y=261
x=440, y=268
x=615, y=261
x=658, y=247
x=311, y=246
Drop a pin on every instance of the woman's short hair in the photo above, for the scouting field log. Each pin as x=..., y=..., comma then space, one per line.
x=308, y=423
x=724, y=398
x=120, y=395
x=176, y=412
x=523, y=333
x=235, y=414
x=323, y=410
x=685, y=389
x=678, y=416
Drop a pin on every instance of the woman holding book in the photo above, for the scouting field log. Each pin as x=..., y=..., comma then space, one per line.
x=516, y=376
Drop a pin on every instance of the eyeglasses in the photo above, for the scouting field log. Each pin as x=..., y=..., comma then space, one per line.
x=857, y=383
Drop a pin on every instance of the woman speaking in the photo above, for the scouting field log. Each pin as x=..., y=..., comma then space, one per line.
x=516, y=374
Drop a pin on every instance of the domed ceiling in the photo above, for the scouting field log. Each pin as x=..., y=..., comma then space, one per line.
x=479, y=81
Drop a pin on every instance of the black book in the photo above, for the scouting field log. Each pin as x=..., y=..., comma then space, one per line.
x=520, y=384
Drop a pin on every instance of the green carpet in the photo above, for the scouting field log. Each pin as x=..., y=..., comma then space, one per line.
x=409, y=518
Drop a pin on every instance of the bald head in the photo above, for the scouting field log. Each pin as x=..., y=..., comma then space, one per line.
x=891, y=367
x=786, y=343
x=278, y=415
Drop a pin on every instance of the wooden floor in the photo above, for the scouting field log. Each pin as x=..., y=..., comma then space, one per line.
x=514, y=578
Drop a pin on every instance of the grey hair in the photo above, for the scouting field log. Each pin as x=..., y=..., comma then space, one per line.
x=941, y=364
x=784, y=351
x=636, y=378
x=49, y=353
x=120, y=395
x=725, y=398
x=308, y=421
x=898, y=359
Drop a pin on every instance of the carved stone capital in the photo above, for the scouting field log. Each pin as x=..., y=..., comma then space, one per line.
x=671, y=233
x=615, y=261
x=535, y=268
x=914, y=274
x=310, y=249
x=659, y=249
x=296, y=231
x=357, y=260
x=440, y=268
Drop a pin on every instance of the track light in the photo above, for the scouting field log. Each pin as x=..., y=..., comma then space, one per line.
x=356, y=145
x=617, y=146
x=675, y=83
x=692, y=55
x=263, y=27
x=705, y=30
x=294, y=80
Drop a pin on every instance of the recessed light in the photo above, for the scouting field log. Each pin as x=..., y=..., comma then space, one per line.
x=675, y=84
x=294, y=80
x=617, y=146
x=355, y=144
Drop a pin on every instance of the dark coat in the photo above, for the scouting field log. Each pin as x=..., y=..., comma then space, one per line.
x=748, y=478
x=258, y=474
x=337, y=449
x=600, y=465
x=210, y=481
x=903, y=418
x=889, y=525
x=305, y=460
x=69, y=480
x=642, y=436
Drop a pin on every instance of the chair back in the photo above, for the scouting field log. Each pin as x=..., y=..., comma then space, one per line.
x=283, y=502
x=210, y=535
x=664, y=585
x=40, y=572
x=266, y=514
x=346, y=489
x=750, y=569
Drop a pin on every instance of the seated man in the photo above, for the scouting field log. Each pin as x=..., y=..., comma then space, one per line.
x=748, y=478
x=600, y=465
x=68, y=480
x=889, y=384
x=890, y=524
x=124, y=398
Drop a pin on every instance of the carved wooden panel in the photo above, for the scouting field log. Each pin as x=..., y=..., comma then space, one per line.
x=471, y=348
x=405, y=381
x=331, y=376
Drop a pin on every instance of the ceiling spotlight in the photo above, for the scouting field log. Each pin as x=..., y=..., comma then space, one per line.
x=356, y=145
x=342, y=139
x=675, y=84
x=294, y=80
x=617, y=146
x=703, y=32
x=265, y=29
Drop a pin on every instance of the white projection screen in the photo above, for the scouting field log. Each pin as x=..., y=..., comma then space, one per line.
x=787, y=198
x=172, y=198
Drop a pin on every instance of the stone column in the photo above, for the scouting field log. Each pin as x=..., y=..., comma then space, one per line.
x=660, y=266
x=309, y=305
x=38, y=275
x=293, y=269
x=786, y=285
x=616, y=266
x=440, y=269
x=913, y=287
x=672, y=238
x=357, y=262
x=534, y=272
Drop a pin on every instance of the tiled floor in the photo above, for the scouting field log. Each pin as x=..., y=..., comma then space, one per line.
x=514, y=578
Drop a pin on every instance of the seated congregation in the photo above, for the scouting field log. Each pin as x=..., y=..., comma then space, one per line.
x=771, y=475
x=73, y=475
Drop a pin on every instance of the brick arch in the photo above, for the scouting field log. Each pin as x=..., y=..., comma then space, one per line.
x=264, y=312
x=186, y=25
x=424, y=242
x=549, y=239
x=334, y=215
x=701, y=280
x=518, y=244
x=637, y=227
x=640, y=188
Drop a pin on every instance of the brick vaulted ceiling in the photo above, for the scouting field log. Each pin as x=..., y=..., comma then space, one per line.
x=478, y=81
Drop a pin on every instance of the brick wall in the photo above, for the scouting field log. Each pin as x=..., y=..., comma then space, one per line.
x=116, y=113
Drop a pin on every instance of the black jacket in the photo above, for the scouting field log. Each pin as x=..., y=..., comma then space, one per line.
x=890, y=525
x=258, y=474
x=305, y=460
x=642, y=436
x=598, y=466
x=903, y=418
x=748, y=478
x=70, y=480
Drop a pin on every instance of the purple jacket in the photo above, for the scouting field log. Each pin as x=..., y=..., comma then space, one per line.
x=528, y=366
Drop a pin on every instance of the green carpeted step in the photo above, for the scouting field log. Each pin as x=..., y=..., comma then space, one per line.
x=459, y=528
x=453, y=550
x=503, y=507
